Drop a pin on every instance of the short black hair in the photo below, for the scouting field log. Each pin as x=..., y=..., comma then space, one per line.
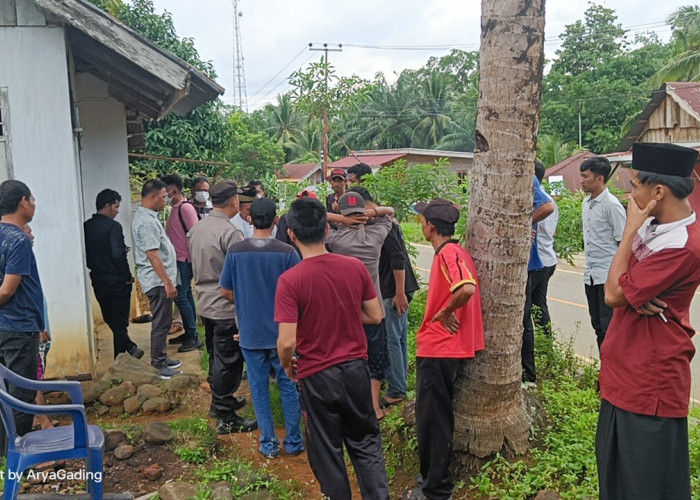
x=106, y=197
x=11, y=194
x=153, y=185
x=681, y=187
x=173, y=180
x=198, y=180
x=360, y=170
x=598, y=165
x=362, y=192
x=257, y=183
x=539, y=170
x=307, y=219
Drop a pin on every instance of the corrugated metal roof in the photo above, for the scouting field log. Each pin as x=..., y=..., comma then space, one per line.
x=299, y=171
x=373, y=160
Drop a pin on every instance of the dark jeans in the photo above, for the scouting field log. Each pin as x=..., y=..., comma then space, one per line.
x=18, y=352
x=225, y=364
x=600, y=312
x=185, y=300
x=377, y=353
x=114, y=298
x=337, y=409
x=435, y=423
x=162, y=312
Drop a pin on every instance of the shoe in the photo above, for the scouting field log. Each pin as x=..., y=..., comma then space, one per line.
x=235, y=424
x=413, y=494
x=271, y=455
x=166, y=373
x=136, y=352
x=528, y=385
x=238, y=403
x=296, y=453
x=190, y=345
x=173, y=363
x=178, y=340
x=144, y=318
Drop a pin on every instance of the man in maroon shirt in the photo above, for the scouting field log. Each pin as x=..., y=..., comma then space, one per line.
x=320, y=324
x=642, y=438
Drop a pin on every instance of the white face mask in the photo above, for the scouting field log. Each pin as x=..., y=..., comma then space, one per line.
x=201, y=196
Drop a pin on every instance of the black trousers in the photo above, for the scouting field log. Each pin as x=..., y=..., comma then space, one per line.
x=18, y=352
x=337, y=409
x=435, y=422
x=538, y=297
x=600, y=312
x=114, y=298
x=641, y=457
x=225, y=364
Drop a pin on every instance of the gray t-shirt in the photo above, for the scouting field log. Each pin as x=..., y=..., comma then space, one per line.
x=603, y=223
x=147, y=233
x=363, y=242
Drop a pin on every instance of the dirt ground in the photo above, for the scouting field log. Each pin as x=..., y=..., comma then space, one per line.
x=122, y=476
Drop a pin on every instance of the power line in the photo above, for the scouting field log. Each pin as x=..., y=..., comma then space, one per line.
x=278, y=73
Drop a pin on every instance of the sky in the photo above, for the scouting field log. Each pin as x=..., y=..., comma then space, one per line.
x=275, y=34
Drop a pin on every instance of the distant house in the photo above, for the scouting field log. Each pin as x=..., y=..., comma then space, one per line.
x=300, y=172
x=672, y=115
x=73, y=83
x=567, y=171
x=460, y=162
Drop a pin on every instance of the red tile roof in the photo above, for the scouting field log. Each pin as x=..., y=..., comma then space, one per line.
x=298, y=170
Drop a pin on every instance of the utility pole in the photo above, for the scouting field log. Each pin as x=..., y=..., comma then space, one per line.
x=239, y=90
x=580, y=142
x=324, y=157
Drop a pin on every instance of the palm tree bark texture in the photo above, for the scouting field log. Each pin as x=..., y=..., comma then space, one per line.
x=490, y=416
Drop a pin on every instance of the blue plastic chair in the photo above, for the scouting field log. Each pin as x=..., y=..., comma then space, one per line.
x=78, y=440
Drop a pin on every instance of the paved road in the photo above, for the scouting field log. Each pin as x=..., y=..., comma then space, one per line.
x=569, y=312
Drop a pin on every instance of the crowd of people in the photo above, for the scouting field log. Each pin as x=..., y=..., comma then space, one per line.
x=319, y=299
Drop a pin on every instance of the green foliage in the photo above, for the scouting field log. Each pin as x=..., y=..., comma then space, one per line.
x=568, y=239
x=244, y=478
x=251, y=152
x=563, y=457
x=552, y=150
x=400, y=186
x=194, y=439
x=412, y=232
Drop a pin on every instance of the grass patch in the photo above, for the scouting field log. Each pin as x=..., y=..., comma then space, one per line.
x=412, y=232
x=244, y=478
x=193, y=439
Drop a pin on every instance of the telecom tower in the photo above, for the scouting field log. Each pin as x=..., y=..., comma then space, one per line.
x=240, y=98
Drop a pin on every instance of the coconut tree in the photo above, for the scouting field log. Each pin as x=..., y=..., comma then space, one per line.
x=434, y=113
x=551, y=149
x=489, y=411
x=684, y=66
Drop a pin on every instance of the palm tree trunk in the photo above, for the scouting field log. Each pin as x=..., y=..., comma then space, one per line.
x=489, y=411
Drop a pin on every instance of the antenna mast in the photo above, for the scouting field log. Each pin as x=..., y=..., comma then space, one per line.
x=239, y=92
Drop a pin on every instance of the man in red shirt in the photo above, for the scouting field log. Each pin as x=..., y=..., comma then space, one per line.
x=321, y=305
x=452, y=331
x=642, y=438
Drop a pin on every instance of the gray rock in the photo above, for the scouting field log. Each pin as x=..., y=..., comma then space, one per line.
x=102, y=410
x=128, y=387
x=182, y=383
x=157, y=433
x=222, y=492
x=149, y=390
x=93, y=389
x=57, y=398
x=257, y=495
x=136, y=371
x=132, y=404
x=177, y=491
x=116, y=410
x=113, y=439
x=155, y=405
x=124, y=451
x=113, y=396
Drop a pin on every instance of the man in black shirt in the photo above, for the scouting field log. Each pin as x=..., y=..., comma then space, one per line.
x=109, y=270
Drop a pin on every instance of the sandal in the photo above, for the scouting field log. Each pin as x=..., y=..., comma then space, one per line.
x=175, y=327
x=383, y=403
x=379, y=419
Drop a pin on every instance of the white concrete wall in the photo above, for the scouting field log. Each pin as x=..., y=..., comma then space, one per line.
x=33, y=69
